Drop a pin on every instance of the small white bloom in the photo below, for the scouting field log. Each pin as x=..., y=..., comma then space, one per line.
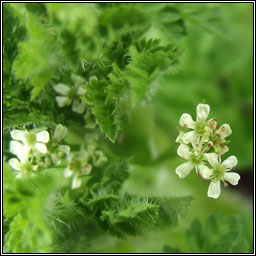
x=78, y=106
x=23, y=165
x=63, y=101
x=195, y=159
x=224, y=131
x=199, y=126
x=32, y=139
x=56, y=150
x=71, y=94
x=60, y=132
x=78, y=167
x=221, y=172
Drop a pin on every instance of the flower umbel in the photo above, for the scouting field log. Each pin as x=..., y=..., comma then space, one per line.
x=36, y=150
x=201, y=145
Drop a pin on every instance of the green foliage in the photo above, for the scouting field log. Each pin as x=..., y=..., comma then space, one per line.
x=37, y=59
x=24, y=203
x=149, y=62
x=221, y=234
x=171, y=208
x=128, y=65
x=106, y=112
x=116, y=173
x=130, y=217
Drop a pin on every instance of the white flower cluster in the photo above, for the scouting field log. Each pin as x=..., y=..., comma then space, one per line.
x=80, y=164
x=201, y=146
x=35, y=150
x=71, y=94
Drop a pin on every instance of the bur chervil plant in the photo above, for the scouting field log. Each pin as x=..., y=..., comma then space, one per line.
x=202, y=145
x=74, y=74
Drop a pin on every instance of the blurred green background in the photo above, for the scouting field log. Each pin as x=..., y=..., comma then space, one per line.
x=216, y=68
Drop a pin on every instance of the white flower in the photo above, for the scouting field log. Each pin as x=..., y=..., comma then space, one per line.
x=221, y=172
x=58, y=151
x=195, y=159
x=70, y=94
x=78, y=167
x=32, y=139
x=199, y=126
x=224, y=131
x=23, y=165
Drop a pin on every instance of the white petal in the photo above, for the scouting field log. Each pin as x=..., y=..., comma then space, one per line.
x=196, y=145
x=202, y=111
x=224, y=130
x=60, y=132
x=86, y=169
x=214, y=189
x=230, y=162
x=184, y=169
x=14, y=163
x=24, y=154
x=62, y=89
x=78, y=106
x=212, y=158
x=67, y=173
x=78, y=79
x=183, y=151
x=16, y=147
x=187, y=121
x=232, y=177
x=76, y=183
x=189, y=137
x=42, y=136
x=41, y=147
x=19, y=135
x=63, y=101
x=205, y=171
x=56, y=160
x=64, y=148
x=81, y=91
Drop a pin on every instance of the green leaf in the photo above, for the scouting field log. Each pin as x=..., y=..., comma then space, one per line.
x=195, y=236
x=105, y=111
x=115, y=174
x=171, y=208
x=149, y=62
x=37, y=59
x=131, y=217
x=25, y=203
x=222, y=234
x=83, y=21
